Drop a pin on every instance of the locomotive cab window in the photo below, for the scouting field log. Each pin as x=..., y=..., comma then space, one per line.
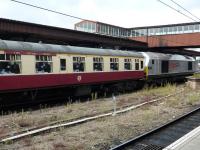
x=114, y=64
x=10, y=64
x=137, y=64
x=164, y=66
x=98, y=64
x=127, y=64
x=43, y=64
x=62, y=64
x=78, y=64
x=189, y=65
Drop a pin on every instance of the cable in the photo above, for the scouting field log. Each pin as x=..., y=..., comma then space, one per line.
x=177, y=10
x=180, y=13
x=42, y=8
x=60, y=13
x=185, y=9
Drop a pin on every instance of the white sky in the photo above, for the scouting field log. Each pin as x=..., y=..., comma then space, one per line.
x=124, y=13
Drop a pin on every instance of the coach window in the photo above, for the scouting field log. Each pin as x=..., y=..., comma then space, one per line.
x=164, y=66
x=62, y=64
x=114, y=64
x=43, y=64
x=98, y=64
x=141, y=64
x=137, y=65
x=78, y=64
x=127, y=64
x=10, y=64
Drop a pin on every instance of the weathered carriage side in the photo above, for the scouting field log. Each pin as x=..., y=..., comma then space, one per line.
x=33, y=66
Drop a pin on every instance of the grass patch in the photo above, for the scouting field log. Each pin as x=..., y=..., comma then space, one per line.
x=192, y=99
x=173, y=101
x=25, y=122
x=159, y=91
x=196, y=75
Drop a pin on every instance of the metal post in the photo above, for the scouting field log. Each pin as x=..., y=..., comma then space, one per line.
x=114, y=105
x=147, y=37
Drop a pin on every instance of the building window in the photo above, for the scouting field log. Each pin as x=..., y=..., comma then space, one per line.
x=137, y=65
x=152, y=61
x=191, y=28
x=186, y=29
x=62, y=64
x=151, y=32
x=156, y=31
x=161, y=31
x=78, y=64
x=196, y=27
x=44, y=64
x=114, y=64
x=98, y=64
x=170, y=30
x=174, y=30
x=127, y=64
x=180, y=29
x=165, y=30
x=10, y=64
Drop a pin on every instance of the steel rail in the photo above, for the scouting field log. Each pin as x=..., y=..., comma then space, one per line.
x=141, y=141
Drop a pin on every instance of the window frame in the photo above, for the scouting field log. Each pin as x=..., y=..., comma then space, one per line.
x=128, y=61
x=137, y=64
x=114, y=61
x=63, y=68
x=96, y=61
x=46, y=60
x=13, y=61
x=80, y=60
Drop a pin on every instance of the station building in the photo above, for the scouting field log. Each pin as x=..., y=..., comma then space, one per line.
x=102, y=28
x=116, y=31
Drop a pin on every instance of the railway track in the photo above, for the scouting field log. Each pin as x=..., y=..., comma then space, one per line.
x=66, y=123
x=163, y=136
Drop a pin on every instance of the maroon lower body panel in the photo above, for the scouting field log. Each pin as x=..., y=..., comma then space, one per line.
x=19, y=82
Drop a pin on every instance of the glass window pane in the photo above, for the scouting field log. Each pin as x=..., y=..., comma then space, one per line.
x=2, y=56
x=180, y=28
x=62, y=64
x=7, y=56
x=196, y=27
x=191, y=27
x=185, y=28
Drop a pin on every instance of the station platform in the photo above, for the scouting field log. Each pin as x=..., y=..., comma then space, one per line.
x=190, y=141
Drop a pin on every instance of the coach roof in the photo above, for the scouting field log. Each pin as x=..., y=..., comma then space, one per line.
x=40, y=47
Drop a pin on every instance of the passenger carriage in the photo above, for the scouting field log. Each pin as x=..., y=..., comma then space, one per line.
x=25, y=66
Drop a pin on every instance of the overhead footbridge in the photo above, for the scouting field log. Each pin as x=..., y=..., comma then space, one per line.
x=185, y=35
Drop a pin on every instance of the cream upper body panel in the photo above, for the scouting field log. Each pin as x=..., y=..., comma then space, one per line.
x=30, y=51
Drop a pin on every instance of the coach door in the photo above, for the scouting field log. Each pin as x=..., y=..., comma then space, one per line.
x=153, y=66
